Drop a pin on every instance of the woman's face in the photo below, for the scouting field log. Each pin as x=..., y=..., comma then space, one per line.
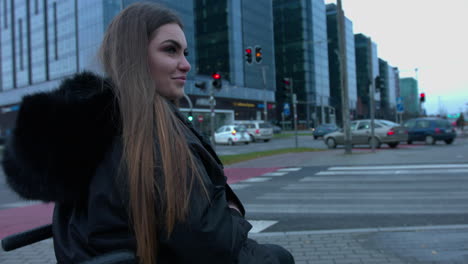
x=167, y=53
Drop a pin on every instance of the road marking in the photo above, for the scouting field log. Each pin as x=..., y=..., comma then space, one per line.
x=357, y=208
x=383, y=178
x=239, y=186
x=432, y=171
x=274, y=174
x=257, y=179
x=290, y=169
x=260, y=225
x=428, y=166
x=20, y=204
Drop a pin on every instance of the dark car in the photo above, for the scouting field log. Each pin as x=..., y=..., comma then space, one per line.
x=324, y=129
x=430, y=130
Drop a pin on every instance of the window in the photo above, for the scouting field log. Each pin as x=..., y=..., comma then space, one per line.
x=20, y=29
x=55, y=31
x=36, y=7
x=5, y=14
x=410, y=124
x=422, y=124
x=363, y=125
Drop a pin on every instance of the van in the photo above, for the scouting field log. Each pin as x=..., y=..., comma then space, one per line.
x=257, y=129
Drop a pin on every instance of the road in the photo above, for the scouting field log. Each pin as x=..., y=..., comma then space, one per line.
x=405, y=205
x=414, y=185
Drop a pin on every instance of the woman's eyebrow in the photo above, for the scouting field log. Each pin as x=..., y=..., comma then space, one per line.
x=175, y=43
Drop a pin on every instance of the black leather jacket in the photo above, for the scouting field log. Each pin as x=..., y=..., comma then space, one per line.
x=66, y=148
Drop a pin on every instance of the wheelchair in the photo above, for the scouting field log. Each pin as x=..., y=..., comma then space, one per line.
x=37, y=234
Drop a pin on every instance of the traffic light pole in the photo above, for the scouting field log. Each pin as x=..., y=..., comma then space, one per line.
x=344, y=83
x=265, y=110
x=212, y=117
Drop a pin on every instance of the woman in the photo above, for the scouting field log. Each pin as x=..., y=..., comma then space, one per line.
x=125, y=169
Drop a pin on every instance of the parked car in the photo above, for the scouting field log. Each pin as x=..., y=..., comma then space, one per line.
x=231, y=134
x=277, y=130
x=386, y=132
x=430, y=130
x=324, y=129
x=257, y=129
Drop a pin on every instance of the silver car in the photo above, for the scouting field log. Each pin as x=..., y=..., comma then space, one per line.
x=386, y=132
x=231, y=134
x=257, y=129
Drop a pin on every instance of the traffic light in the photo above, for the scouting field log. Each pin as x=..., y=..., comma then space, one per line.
x=258, y=54
x=422, y=97
x=379, y=83
x=217, y=83
x=190, y=116
x=248, y=55
x=287, y=83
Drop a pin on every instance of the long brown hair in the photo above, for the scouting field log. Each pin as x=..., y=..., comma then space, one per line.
x=147, y=117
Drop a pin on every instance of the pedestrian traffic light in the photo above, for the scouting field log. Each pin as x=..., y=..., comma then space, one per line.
x=287, y=83
x=201, y=85
x=217, y=83
x=379, y=83
x=422, y=97
x=248, y=55
x=190, y=116
x=258, y=54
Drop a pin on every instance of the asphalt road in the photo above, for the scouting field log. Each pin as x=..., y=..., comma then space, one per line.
x=415, y=185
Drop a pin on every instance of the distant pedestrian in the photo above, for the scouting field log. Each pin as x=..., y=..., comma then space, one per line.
x=125, y=169
x=461, y=122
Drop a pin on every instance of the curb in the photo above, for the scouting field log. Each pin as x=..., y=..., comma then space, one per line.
x=361, y=230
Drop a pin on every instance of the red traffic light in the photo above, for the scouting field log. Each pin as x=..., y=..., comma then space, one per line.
x=249, y=51
x=286, y=81
x=422, y=97
x=216, y=76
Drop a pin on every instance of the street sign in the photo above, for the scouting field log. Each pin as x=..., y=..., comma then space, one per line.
x=399, y=105
x=200, y=118
x=286, y=109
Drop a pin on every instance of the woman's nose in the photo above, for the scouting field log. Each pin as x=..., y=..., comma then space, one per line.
x=184, y=65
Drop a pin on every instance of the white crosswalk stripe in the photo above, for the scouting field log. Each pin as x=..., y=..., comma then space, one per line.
x=273, y=174
x=260, y=225
x=407, y=189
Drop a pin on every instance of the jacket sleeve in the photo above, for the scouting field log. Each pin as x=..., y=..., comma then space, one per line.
x=212, y=233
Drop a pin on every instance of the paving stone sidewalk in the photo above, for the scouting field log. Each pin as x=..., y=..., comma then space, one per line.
x=439, y=244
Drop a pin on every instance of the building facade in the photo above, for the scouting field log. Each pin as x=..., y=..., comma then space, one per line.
x=225, y=29
x=335, y=64
x=409, y=93
x=301, y=54
x=43, y=42
x=367, y=69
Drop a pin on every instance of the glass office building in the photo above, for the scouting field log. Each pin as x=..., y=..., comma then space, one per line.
x=224, y=30
x=388, y=93
x=301, y=53
x=334, y=63
x=44, y=41
x=409, y=93
x=367, y=68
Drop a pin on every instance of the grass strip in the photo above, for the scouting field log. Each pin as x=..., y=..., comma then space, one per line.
x=288, y=135
x=231, y=159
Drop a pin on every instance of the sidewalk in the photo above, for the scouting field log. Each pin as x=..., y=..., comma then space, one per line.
x=437, y=244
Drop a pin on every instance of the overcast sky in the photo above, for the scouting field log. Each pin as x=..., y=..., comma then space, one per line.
x=430, y=35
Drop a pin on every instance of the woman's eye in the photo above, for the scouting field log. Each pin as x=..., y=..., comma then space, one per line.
x=171, y=50
x=186, y=53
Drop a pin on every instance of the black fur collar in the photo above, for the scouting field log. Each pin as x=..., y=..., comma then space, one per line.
x=59, y=139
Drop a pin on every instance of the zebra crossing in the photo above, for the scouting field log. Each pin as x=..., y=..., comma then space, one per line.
x=260, y=225
x=409, y=189
x=262, y=178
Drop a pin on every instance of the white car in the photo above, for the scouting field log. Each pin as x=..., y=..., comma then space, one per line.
x=231, y=134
